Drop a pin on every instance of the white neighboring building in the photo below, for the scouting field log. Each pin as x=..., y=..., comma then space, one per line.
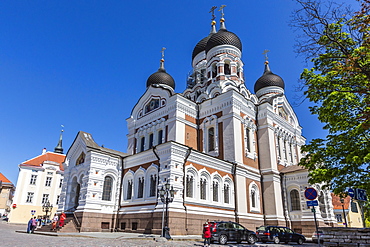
x=40, y=180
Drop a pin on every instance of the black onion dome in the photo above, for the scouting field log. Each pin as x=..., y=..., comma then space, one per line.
x=268, y=79
x=161, y=77
x=223, y=37
x=201, y=46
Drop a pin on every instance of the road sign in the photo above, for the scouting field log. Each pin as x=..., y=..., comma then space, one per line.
x=33, y=212
x=312, y=203
x=310, y=194
x=351, y=192
x=361, y=195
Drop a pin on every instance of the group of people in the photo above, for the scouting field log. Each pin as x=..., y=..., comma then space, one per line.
x=58, y=221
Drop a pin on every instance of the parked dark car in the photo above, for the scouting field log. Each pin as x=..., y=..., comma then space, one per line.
x=224, y=231
x=278, y=234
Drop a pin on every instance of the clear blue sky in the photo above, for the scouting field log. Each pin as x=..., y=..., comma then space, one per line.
x=84, y=64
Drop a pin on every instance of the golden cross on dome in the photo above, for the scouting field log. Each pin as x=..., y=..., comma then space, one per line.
x=162, y=51
x=213, y=12
x=222, y=10
x=265, y=53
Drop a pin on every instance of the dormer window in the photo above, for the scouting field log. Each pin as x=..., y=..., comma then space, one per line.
x=152, y=105
x=81, y=159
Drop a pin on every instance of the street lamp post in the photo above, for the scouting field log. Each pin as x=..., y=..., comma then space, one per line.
x=47, y=207
x=344, y=213
x=166, y=193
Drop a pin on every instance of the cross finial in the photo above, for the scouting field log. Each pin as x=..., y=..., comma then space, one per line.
x=222, y=10
x=162, y=51
x=213, y=12
x=265, y=53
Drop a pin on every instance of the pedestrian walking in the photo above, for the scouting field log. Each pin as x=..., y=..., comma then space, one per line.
x=34, y=224
x=54, y=223
x=62, y=218
x=29, y=226
x=207, y=233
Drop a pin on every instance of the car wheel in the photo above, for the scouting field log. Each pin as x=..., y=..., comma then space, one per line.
x=276, y=240
x=223, y=239
x=252, y=239
x=300, y=241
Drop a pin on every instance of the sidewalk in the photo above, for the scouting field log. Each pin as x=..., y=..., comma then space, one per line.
x=116, y=235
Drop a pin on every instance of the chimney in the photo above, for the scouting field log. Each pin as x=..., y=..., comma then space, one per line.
x=44, y=151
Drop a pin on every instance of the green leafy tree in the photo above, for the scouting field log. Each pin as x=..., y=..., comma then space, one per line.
x=337, y=42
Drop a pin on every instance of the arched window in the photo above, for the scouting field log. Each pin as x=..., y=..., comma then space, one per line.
x=214, y=70
x=189, y=185
x=203, y=188
x=294, y=200
x=226, y=193
x=142, y=144
x=140, y=188
x=151, y=139
x=227, y=68
x=81, y=159
x=153, y=185
x=107, y=188
x=215, y=191
x=160, y=136
x=248, y=139
x=129, y=190
x=254, y=197
x=211, y=139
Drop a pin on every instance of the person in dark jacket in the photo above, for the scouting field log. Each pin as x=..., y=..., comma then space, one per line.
x=29, y=226
x=207, y=233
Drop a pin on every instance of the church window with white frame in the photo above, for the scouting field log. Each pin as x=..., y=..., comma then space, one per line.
x=190, y=185
x=211, y=139
x=203, y=188
x=254, y=197
x=249, y=128
x=142, y=144
x=140, y=187
x=129, y=189
x=226, y=193
x=215, y=189
x=160, y=136
x=107, y=188
x=153, y=185
x=294, y=200
x=151, y=140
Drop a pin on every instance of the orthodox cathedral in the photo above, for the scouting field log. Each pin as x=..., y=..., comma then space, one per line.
x=223, y=152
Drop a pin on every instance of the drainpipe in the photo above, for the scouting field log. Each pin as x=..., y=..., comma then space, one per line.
x=288, y=223
x=183, y=188
x=233, y=172
x=120, y=195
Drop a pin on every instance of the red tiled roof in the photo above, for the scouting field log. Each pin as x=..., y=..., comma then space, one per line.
x=4, y=179
x=48, y=156
x=337, y=204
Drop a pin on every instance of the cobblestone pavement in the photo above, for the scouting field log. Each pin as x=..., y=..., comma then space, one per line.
x=11, y=238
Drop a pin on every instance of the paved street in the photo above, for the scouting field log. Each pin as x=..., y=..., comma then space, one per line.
x=9, y=237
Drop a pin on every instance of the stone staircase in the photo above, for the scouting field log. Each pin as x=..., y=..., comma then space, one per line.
x=69, y=226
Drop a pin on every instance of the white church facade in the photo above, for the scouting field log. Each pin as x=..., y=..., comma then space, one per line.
x=228, y=153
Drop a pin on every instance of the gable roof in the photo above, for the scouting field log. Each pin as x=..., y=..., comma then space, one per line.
x=5, y=180
x=38, y=161
x=90, y=143
x=337, y=204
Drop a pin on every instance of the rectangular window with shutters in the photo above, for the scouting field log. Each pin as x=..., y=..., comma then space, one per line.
x=29, y=197
x=33, y=179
